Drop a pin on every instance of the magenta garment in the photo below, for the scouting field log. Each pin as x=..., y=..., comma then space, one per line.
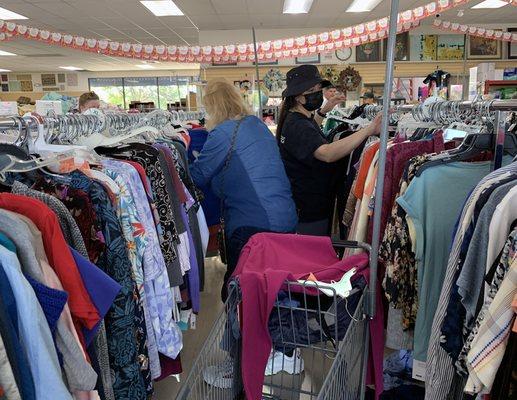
x=267, y=260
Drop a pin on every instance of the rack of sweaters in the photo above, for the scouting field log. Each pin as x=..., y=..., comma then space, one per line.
x=101, y=258
x=447, y=256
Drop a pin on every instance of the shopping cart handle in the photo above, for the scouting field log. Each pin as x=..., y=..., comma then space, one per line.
x=343, y=244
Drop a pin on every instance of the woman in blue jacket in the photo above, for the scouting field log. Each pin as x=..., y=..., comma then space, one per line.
x=241, y=161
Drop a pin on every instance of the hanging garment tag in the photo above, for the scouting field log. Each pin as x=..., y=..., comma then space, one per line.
x=193, y=320
x=419, y=370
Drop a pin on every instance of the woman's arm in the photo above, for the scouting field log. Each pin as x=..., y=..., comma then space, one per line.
x=337, y=150
x=211, y=158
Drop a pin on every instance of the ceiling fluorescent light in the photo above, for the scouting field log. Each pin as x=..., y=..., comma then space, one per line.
x=6, y=15
x=297, y=6
x=145, y=66
x=6, y=53
x=358, y=6
x=5, y=70
x=70, y=68
x=491, y=4
x=162, y=8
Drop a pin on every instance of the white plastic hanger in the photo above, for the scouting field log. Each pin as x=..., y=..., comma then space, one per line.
x=342, y=288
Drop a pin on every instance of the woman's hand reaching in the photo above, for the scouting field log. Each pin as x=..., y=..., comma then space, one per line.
x=374, y=129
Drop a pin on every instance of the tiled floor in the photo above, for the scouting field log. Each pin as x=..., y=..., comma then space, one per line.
x=193, y=340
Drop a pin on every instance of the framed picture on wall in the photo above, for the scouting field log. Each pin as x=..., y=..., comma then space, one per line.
x=312, y=59
x=401, y=47
x=368, y=52
x=423, y=47
x=480, y=48
x=451, y=47
x=512, y=47
x=274, y=62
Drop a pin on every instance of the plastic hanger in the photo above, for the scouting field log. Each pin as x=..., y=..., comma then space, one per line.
x=341, y=288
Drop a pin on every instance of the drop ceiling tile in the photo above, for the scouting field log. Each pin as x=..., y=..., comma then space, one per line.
x=229, y=6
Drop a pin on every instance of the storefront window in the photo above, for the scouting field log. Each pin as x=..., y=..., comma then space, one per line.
x=142, y=90
x=161, y=91
x=109, y=90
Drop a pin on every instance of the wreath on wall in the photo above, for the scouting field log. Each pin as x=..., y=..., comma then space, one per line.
x=331, y=74
x=274, y=80
x=349, y=79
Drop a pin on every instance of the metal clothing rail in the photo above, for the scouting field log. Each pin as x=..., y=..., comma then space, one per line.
x=73, y=125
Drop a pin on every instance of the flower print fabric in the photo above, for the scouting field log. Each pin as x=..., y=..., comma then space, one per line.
x=154, y=165
x=400, y=281
x=156, y=283
x=122, y=319
x=80, y=206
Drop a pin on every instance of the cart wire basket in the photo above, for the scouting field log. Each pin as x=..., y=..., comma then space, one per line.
x=319, y=346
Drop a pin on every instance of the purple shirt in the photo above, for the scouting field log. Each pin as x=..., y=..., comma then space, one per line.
x=101, y=288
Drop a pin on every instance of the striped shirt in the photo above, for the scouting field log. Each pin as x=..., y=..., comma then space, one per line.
x=489, y=346
x=441, y=380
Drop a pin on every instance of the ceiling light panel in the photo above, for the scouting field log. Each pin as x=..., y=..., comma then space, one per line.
x=358, y=6
x=6, y=53
x=491, y=4
x=297, y=6
x=145, y=66
x=71, y=68
x=5, y=70
x=162, y=8
x=8, y=15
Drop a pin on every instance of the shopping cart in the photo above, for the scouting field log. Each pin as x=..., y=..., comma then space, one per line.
x=329, y=333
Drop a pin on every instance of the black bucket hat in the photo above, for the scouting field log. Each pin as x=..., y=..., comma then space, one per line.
x=302, y=78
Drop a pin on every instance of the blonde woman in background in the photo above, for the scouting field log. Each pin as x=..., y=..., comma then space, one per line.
x=241, y=162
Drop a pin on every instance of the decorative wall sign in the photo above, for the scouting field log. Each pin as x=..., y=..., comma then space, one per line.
x=48, y=79
x=312, y=59
x=423, y=47
x=451, y=47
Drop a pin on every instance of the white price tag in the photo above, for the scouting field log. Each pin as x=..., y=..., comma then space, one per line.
x=419, y=370
x=8, y=108
x=43, y=107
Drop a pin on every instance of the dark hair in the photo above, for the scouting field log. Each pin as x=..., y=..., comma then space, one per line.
x=287, y=104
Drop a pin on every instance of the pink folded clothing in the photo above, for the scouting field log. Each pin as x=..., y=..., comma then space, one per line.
x=265, y=263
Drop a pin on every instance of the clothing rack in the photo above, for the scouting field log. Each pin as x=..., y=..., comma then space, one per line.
x=86, y=124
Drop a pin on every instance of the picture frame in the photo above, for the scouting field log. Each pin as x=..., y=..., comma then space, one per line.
x=480, y=48
x=512, y=47
x=269, y=62
x=450, y=47
x=402, y=52
x=312, y=59
x=423, y=47
x=369, y=52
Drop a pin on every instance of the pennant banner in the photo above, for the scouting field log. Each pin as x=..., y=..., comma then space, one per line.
x=269, y=50
x=475, y=31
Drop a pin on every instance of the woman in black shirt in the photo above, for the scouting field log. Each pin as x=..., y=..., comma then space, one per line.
x=308, y=157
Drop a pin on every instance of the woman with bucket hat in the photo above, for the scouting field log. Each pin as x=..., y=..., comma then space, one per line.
x=308, y=157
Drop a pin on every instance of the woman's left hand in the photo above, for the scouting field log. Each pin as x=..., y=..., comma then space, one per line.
x=332, y=102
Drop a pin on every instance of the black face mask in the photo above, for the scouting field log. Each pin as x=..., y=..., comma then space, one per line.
x=313, y=101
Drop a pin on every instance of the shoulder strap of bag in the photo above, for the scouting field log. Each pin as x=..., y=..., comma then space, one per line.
x=227, y=161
